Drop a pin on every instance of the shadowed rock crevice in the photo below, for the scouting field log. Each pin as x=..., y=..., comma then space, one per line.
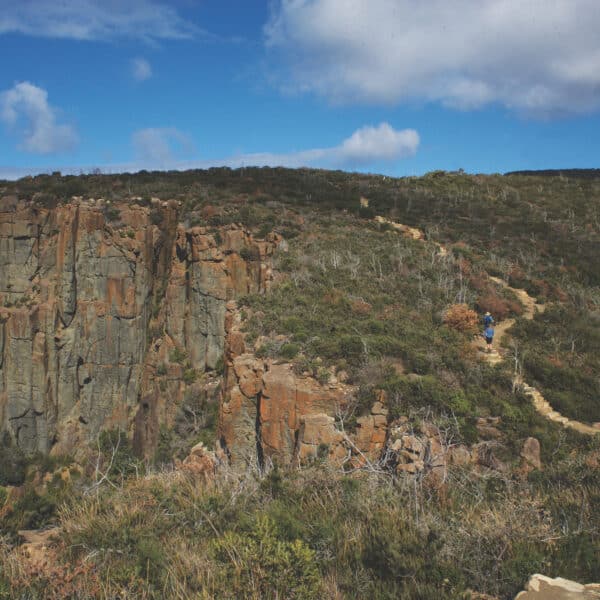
x=260, y=457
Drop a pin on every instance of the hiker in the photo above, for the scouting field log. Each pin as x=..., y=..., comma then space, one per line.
x=488, y=334
x=488, y=320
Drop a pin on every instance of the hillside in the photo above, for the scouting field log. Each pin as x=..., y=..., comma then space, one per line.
x=318, y=332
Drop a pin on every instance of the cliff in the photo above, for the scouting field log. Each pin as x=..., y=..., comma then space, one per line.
x=103, y=310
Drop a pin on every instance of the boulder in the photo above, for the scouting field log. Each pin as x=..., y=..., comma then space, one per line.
x=200, y=463
x=540, y=587
x=413, y=467
x=412, y=446
x=530, y=453
x=249, y=373
x=460, y=455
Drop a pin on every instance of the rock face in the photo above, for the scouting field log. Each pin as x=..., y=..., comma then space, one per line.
x=267, y=412
x=95, y=301
x=540, y=587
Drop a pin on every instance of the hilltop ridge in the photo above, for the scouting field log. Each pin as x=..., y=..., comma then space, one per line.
x=281, y=367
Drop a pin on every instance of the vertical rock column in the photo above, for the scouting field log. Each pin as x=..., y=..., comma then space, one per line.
x=74, y=331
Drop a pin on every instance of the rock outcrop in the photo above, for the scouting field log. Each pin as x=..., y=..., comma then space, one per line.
x=103, y=311
x=201, y=463
x=530, y=454
x=268, y=412
x=540, y=587
x=425, y=452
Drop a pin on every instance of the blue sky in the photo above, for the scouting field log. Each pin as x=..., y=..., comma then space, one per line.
x=391, y=86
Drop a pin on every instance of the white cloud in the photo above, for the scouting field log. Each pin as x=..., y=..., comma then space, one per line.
x=365, y=146
x=24, y=109
x=370, y=144
x=162, y=148
x=150, y=20
x=141, y=69
x=160, y=145
x=538, y=56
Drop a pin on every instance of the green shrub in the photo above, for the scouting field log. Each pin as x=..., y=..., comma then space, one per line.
x=119, y=458
x=264, y=230
x=268, y=349
x=6, y=588
x=350, y=347
x=189, y=376
x=33, y=511
x=164, y=448
x=250, y=253
x=12, y=465
x=323, y=375
x=178, y=355
x=396, y=550
x=292, y=324
x=289, y=351
x=220, y=365
x=151, y=560
x=112, y=213
x=261, y=564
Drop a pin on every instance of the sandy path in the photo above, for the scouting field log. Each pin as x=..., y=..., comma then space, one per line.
x=530, y=308
x=539, y=402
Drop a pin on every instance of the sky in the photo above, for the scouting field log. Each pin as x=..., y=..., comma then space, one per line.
x=399, y=87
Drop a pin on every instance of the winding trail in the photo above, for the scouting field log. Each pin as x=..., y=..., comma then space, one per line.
x=539, y=402
x=494, y=357
x=530, y=308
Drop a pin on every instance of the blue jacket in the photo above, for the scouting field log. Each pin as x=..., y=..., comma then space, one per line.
x=488, y=320
x=489, y=332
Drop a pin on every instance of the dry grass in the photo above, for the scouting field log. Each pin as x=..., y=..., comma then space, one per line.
x=166, y=535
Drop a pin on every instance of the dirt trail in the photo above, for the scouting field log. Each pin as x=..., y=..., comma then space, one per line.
x=494, y=357
x=539, y=402
x=410, y=232
x=530, y=308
